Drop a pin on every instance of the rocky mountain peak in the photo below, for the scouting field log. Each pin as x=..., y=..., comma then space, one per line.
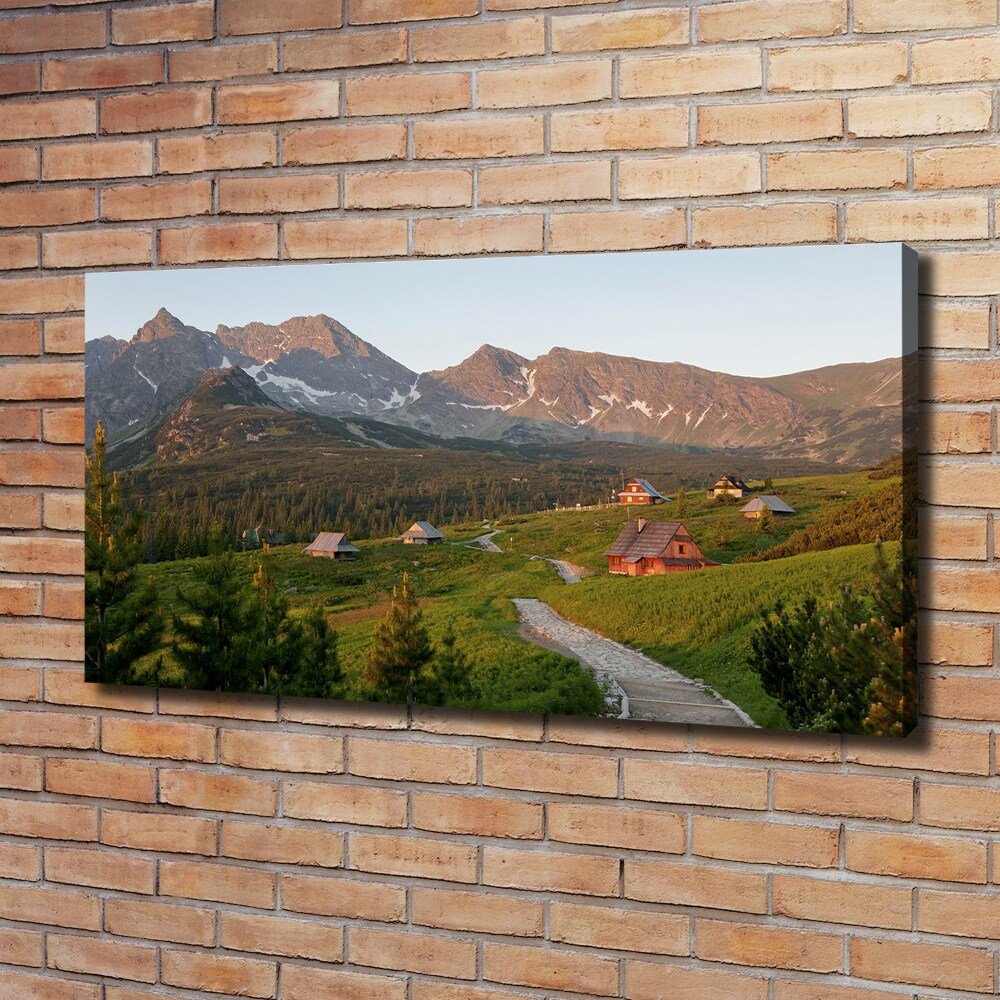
x=266, y=342
x=163, y=325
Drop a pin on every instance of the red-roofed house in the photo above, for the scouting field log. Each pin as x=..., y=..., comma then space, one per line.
x=649, y=548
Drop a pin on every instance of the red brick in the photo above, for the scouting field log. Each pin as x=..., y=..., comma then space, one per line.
x=408, y=93
x=759, y=19
x=21, y=862
x=38, y=906
x=40, y=295
x=21, y=336
x=43, y=468
x=157, y=111
x=17, y=423
x=965, y=914
x=373, y=48
x=412, y=761
x=282, y=936
x=626, y=30
x=48, y=729
x=661, y=781
x=64, y=335
x=60, y=556
x=843, y=795
x=480, y=41
x=113, y=959
x=174, y=740
x=223, y=62
x=21, y=772
x=217, y=974
x=30, y=987
x=47, y=208
x=70, y=161
x=961, y=807
x=224, y=704
x=382, y=11
x=226, y=151
x=908, y=855
x=156, y=201
x=550, y=871
x=417, y=857
x=282, y=844
x=536, y=86
x=99, y=779
x=698, y=884
x=345, y=143
x=837, y=902
x=149, y=831
x=768, y=947
x=274, y=102
x=646, y=981
x=550, y=968
x=465, y=138
x=282, y=751
x=484, y=817
x=102, y=869
x=340, y=897
x=254, y=17
x=93, y=248
x=478, y=912
x=478, y=235
x=48, y=820
x=410, y=952
x=355, y=237
x=19, y=78
x=159, y=922
x=20, y=947
x=620, y=929
x=18, y=251
x=620, y=128
x=542, y=771
x=218, y=792
x=175, y=22
x=218, y=883
x=938, y=750
x=138, y=69
x=922, y=963
x=20, y=598
x=765, y=843
x=222, y=241
x=67, y=687
x=305, y=983
x=49, y=32
x=267, y=195
x=20, y=684
x=342, y=803
x=18, y=163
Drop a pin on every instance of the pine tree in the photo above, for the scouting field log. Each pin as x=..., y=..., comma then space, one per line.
x=276, y=643
x=400, y=650
x=768, y=485
x=318, y=673
x=123, y=617
x=215, y=632
x=680, y=504
x=765, y=521
x=451, y=672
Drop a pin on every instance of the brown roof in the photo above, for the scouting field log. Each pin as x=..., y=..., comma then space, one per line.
x=648, y=543
x=730, y=482
x=331, y=541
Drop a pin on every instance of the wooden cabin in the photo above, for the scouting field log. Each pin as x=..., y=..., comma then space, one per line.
x=650, y=548
x=774, y=504
x=331, y=545
x=641, y=491
x=729, y=486
x=422, y=533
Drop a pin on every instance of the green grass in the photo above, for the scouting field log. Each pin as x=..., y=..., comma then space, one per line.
x=700, y=623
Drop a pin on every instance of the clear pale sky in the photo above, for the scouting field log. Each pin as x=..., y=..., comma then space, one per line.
x=756, y=312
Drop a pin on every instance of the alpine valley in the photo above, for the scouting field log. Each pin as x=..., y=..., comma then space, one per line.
x=173, y=392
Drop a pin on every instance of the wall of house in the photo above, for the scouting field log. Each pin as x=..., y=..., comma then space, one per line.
x=185, y=845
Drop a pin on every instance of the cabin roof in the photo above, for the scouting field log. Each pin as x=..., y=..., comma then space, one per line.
x=647, y=543
x=730, y=482
x=776, y=504
x=422, y=529
x=647, y=487
x=331, y=541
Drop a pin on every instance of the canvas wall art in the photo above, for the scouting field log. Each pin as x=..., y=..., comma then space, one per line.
x=659, y=486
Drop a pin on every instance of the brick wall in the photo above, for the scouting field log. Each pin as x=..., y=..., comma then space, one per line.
x=189, y=845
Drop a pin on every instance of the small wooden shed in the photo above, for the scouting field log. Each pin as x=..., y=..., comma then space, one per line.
x=774, y=504
x=422, y=533
x=729, y=486
x=331, y=545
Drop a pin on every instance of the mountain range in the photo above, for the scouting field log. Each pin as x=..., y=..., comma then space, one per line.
x=313, y=366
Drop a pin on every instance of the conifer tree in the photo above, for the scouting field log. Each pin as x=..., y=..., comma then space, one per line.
x=276, y=644
x=123, y=617
x=214, y=632
x=318, y=673
x=680, y=504
x=765, y=521
x=400, y=650
x=768, y=485
x=451, y=672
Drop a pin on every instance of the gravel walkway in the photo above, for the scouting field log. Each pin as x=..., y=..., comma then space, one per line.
x=654, y=692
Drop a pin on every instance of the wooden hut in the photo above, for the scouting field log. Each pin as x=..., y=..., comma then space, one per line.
x=422, y=533
x=650, y=548
x=641, y=491
x=331, y=545
x=729, y=486
x=774, y=504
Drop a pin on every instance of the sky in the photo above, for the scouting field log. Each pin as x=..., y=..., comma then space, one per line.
x=756, y=312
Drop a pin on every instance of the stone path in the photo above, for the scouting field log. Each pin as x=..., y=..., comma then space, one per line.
x=653, y=691
x=486, y=542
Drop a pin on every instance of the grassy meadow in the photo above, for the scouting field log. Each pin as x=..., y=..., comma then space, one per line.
x=698, y=623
